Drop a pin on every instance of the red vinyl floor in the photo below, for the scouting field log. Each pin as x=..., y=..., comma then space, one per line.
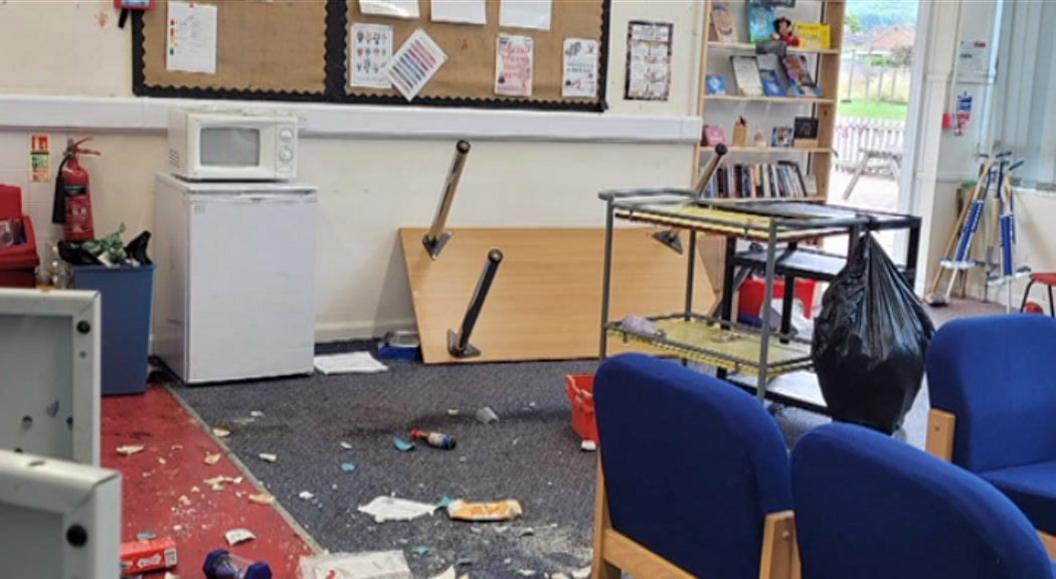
x=172, y=466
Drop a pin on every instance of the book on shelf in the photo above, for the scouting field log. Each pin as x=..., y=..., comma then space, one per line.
x=724, y=21
x=805, y=132
x=746, y=73
x=714, y=135
x=800, y=83
x=716, y=84
x=814, y=35
x=780, y=180
x=761, y=16
x=781, y=137
x=770, y=76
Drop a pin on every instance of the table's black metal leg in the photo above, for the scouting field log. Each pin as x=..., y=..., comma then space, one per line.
x=1052, y=308
x=728, y=285
x=912, y=254
x=786, y=306
x=728, y=289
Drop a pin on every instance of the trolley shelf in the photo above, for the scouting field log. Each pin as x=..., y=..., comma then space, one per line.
x=796, y=389
x=801, y=262
x=716, y=221
x=728, y=346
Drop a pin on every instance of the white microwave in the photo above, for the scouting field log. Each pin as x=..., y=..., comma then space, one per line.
x=213, y=146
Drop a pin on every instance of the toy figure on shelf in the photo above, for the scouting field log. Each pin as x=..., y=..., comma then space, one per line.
x=785, y=32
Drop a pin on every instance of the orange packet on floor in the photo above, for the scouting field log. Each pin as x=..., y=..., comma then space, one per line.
x=484, y=512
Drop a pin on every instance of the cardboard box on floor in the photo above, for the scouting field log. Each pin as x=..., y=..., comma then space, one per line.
x=545, y=303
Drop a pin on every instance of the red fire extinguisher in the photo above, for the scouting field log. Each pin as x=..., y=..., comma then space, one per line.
x=73, y=197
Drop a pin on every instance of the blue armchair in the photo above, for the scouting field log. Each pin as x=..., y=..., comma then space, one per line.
x=992, y=384
x=692, y=477
x=871, y=507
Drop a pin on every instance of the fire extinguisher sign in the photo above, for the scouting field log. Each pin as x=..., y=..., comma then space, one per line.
x=40, y=158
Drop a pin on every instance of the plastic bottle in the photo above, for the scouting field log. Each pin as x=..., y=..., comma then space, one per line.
x=435, y=439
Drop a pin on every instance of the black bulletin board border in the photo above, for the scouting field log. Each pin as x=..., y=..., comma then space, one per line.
x=336, y=50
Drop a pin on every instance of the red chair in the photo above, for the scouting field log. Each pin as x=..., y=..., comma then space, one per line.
x=1046, y=279
x=18, y=262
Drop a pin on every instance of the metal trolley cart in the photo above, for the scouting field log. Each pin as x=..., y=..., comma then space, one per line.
x=776, y=228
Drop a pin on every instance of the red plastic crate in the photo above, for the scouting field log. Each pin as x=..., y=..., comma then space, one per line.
x=753, y=290
x=580, y=390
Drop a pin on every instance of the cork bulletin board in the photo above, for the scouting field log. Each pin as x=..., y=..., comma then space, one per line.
x=268, y=48
x=297, y=50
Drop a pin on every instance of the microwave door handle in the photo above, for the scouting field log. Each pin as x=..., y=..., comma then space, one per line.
x=288, y=198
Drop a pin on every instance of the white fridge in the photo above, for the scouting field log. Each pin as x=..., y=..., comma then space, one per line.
x=235, y=291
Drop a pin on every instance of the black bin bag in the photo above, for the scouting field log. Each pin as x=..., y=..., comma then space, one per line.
x=870, y=340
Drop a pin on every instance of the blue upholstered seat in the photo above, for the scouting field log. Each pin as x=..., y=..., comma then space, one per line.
x=692, y=465
x=1033, y=488
x=871, y=507
x=997, y=376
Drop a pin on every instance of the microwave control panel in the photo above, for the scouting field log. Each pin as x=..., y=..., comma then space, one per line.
x=286, y=149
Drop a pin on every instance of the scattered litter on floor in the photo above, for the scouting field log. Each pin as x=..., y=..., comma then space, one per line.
x=130, y=449
x=221, y=432
x=236, y=536
x=145, y=536
x=262, y=499
x=526, y=532
x=217, y=482
x=526, y=573
x=588, y=446
x=435, y=439
x=211, y=459
x=256, y=414
x=422, y=550
x=448, y=573
x=396, y=509
x=507, y=510
x=401, y=444
x=349, y=363
x=162, y=461
x=445, y=502
x=583, y=573
x=558, y=576
x=464, y=562
x=171, y=576
x=486, y=415
x=346, y=445
x=378, y=565
x=195, y=489
x=268, y=457
x=452, y=412
x=184, y=501
x=348, y=467
x=305, y=495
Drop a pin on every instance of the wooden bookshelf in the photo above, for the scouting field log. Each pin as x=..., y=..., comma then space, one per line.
x=826, y=74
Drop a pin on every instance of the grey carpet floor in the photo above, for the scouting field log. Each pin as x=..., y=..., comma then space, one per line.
x=530, y=455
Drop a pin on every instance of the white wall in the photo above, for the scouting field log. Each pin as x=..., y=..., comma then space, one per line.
x=941, y=160
x=368, y=187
